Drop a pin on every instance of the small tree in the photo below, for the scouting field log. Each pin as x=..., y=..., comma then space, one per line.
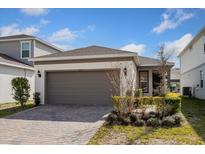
x=163, y=56
x=21, y=90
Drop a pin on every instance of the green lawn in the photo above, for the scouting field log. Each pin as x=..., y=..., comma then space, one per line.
x=11, y=108
x=192, y=130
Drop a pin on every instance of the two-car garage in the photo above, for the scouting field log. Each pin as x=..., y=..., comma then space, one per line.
x=80, y=76
x=78, y=87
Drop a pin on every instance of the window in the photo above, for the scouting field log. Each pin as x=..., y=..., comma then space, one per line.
x=25, y=49
x=201, y=79
x=144, y=81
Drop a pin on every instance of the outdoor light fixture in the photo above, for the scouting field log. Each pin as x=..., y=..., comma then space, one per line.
x=125, y=71
x=39, y=74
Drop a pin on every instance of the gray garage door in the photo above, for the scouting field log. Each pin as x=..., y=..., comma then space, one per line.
x=81, y=88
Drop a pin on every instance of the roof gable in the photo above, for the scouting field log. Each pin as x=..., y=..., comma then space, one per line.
x=25, y=37
x=20, y=36
x=89, y=51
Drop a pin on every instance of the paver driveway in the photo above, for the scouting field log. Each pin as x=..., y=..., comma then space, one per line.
x=52, y=125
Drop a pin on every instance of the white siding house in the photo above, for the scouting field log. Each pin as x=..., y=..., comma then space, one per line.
x=192, y=61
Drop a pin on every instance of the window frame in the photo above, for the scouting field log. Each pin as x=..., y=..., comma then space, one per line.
x=29, y=49
x=201, y=79
x=147, y=72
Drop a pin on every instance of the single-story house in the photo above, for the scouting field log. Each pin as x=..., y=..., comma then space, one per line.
x=82, y=76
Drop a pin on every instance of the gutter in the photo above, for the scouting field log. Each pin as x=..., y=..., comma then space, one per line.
x=17, y=66
x=82, y=57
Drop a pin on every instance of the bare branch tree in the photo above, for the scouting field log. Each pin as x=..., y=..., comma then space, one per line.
x=114, y=79
x=163, y=56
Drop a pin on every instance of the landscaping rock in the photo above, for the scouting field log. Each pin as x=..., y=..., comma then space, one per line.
x=149, y=112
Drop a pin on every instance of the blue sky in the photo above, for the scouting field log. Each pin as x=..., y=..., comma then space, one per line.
x=137, y=30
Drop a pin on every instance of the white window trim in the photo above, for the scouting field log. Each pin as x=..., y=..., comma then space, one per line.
x=29, y=49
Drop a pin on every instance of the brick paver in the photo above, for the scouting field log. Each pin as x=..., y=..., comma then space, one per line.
x=52, y=125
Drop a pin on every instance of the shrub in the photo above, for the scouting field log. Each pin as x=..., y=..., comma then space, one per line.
x=172, y=105
x=117, y=103
x=138, y=93
x=168, y=121
x=122, y=120
x=36, y=98
x=158, y=101
x=139, y=122
x=153, y=122
x=129, y=103
x=21, y=90
x=129, y=93
x=136, y=102
x=144, y=101
x=123, y=104
x=172, y=95
x=112, y=118
x=133, y=118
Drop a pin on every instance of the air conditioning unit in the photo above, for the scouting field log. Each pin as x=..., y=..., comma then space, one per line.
x=187, y=91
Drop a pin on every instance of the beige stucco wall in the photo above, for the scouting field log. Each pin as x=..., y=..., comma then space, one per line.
x=41, y=49
x=6, y=75
x=130, y=65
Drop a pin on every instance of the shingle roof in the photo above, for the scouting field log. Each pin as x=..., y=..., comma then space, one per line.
x=5, y=59
x=145, y=61
x=16, y=36
x=98, y=50
x=175, y=74
x=87, y=51
x=24, y=36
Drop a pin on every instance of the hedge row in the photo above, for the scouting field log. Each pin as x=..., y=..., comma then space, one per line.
x=171, y=104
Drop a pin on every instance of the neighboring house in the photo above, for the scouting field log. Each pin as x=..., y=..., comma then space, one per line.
x=80, y=76
x=175, y=80
x=14, y=54
x=192, y=61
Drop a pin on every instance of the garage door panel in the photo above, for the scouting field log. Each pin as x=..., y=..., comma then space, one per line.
x=87, y=88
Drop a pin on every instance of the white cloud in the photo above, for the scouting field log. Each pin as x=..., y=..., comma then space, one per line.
x=172, y=18
x=91, y=27
x=14, y=29
x=176, y=46
x=64, y=34
x=138, y=48
x=34, y=11
x=44, y=22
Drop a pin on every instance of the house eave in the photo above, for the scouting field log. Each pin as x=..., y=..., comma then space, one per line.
x=33, y=38
x=17, y=66
x=81, y=57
